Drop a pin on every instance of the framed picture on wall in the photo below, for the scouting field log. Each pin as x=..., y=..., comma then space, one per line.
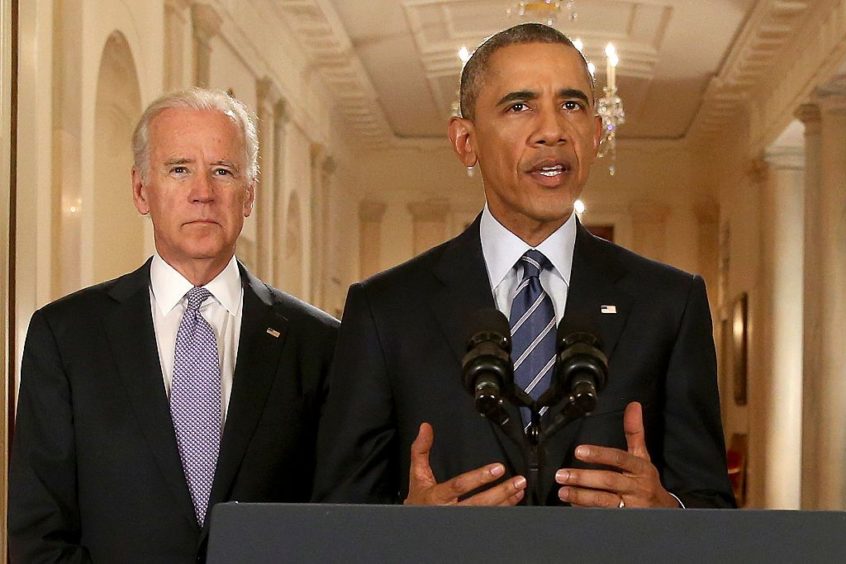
x=739, y=346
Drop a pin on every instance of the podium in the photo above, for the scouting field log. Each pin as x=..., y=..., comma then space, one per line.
x=258, y=533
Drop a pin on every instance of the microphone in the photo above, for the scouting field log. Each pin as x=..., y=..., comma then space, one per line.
x=486, y=367
x=581, y=368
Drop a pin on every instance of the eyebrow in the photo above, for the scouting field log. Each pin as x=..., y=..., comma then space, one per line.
x=182, y=161
x=177, y=161
x=531, y=95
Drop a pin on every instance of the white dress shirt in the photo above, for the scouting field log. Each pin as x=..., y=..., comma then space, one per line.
x=502, y=249
x=222, y=311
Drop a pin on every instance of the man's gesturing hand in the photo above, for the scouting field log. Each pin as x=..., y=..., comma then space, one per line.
x=423, y=489
x=636, y=482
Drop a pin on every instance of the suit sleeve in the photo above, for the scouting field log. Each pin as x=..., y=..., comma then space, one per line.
x=693, y=448
x=357, y=441
x=44, y=519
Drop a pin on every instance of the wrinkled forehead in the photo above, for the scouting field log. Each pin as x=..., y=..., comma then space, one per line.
x=523, y=64
x=173, y=125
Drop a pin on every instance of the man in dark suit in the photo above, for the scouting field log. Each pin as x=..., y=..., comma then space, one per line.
x=147, y=399
x=398, y=425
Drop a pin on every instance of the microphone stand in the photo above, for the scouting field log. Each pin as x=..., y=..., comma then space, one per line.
x=533, y=440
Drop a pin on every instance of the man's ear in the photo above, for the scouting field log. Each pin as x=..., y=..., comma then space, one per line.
x=461, y=133
x=597, y=134
x=139, y=192
x=250, y=199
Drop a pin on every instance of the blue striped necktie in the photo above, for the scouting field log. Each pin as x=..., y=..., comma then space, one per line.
x=532, y=329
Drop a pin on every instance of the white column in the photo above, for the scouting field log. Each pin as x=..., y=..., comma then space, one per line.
x=430, y=223
x=175, y=25
x=782, y=253
x=206, y=23
x=280, y=124
x=323, y=167
x=370, y=237
x=811, y=117
x=831, y=244
x=266, y=234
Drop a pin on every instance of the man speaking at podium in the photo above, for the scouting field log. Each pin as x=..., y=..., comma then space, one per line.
x=398, y=425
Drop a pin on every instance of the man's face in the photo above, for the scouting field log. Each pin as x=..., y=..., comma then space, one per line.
x=534, y=135
x=197, y=191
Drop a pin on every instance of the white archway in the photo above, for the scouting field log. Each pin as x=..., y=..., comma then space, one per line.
x=118, y=238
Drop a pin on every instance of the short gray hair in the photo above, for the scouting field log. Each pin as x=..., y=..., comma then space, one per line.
x=201, y=99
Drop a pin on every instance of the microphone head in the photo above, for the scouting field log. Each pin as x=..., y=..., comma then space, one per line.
x=579, y=360
x=488, y=351
x=488, y=324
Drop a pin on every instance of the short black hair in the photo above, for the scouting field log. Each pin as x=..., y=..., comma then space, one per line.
x=476, y=66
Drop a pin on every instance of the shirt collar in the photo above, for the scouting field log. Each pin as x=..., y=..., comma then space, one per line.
x=502, y=249
x=169, y=286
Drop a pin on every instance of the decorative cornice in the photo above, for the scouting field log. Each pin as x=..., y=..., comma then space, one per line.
x=430, y=210
x=769, y=28
x=707, y=211
x=369, y=210
x=758, y=170
x=267, y=94
x=206, y=22
x=330, y=165
x=330, y=51
x=831, y=96
x=785, y=158
x=809, y=115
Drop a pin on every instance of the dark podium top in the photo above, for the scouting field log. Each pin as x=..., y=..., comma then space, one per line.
x=247, y=533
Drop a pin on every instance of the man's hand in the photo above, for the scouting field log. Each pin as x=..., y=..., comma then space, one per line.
x=424, y=490
x=636, y=484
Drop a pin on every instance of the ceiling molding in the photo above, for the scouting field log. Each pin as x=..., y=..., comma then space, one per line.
x=330, y=51
x=770, y=26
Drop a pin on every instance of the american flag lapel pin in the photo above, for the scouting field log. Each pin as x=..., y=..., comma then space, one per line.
x=273, y=332
x=610, y=309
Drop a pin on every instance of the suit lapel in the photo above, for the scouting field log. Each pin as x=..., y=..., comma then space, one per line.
x=263, y=333
x=592, y=286
x=465, y=290
x=129, y=329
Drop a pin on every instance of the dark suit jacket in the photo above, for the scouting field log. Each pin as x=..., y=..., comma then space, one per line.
x=95, y=470
x=398, y=363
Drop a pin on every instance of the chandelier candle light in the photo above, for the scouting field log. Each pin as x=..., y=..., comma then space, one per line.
x=610, y=109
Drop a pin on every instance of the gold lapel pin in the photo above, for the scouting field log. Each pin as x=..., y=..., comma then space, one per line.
x=608, y=309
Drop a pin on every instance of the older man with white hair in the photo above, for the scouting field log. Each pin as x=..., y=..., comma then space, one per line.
x=147, y=399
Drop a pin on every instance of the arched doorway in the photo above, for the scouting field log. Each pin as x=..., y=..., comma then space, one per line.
x=118, y=237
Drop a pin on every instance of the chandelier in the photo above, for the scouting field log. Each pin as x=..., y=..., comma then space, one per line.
x=543, y=11
x=610, y=109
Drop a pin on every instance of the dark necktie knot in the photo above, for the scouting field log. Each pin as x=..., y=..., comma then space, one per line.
x=196, y=296
x=533, y=262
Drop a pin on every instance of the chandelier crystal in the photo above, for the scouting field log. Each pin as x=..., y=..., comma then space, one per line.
x=543, y=11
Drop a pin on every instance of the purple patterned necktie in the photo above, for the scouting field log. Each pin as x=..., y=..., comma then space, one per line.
x=195, y=400
x=532, y=329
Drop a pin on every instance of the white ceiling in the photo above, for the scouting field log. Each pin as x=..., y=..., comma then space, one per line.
x=393, y=64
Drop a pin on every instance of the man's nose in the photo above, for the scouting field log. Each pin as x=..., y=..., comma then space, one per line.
x=552, y=127
x=201, y=188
